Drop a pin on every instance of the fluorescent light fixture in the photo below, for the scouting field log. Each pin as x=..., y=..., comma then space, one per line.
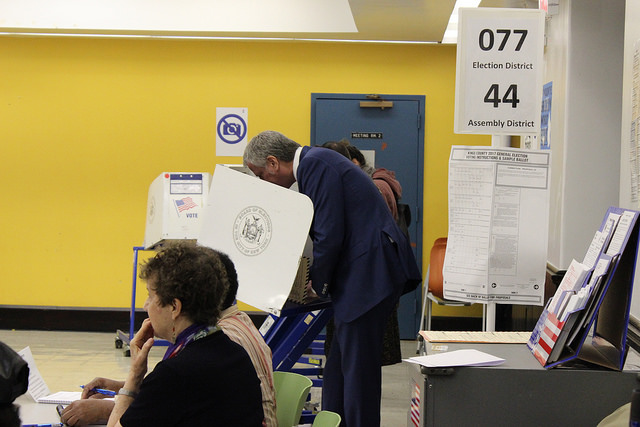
x=451, y=33
x=171, y=17
x=212, y=37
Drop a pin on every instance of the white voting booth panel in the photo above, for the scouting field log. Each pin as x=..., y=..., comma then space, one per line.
x=174, y=207
x=263, y=228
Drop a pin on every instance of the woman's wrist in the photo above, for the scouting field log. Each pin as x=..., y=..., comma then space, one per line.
x=137, y=372
x=126, y=392
x=131, y=385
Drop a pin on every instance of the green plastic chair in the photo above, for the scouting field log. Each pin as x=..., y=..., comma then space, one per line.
x=291, y=392
x=326, y=419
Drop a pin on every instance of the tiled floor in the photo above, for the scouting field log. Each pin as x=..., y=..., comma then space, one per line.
x=69, y=359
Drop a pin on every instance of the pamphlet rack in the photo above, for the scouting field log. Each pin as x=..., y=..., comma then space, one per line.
x=593, y=300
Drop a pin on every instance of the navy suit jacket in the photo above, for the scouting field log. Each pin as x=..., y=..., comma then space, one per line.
x=360, y=255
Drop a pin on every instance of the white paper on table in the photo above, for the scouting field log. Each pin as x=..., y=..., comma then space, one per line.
x=64, y=397
x=465, y=357
x=37, y=387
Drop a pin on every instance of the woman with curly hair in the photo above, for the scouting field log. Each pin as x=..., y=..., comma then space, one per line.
x=204, y=377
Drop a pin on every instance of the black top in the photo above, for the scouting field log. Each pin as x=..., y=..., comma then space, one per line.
x=211, y=382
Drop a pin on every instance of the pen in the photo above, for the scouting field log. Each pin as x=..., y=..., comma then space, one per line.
x=102, y=391
x=43, y=425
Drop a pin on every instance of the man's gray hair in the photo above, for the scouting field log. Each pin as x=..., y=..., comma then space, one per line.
x=269, y=143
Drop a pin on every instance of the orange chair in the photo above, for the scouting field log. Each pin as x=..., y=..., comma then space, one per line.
x=435, y=284
x=436, y=263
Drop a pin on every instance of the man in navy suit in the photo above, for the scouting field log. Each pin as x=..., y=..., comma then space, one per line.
x=361, y=259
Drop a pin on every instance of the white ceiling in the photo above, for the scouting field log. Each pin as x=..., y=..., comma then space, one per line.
x=376, y=20
x=399, y=20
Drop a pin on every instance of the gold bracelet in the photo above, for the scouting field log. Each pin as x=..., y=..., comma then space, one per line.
x=125, y=392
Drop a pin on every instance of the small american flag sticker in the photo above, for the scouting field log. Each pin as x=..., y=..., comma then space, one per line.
x=185, y=204
x=415, y=405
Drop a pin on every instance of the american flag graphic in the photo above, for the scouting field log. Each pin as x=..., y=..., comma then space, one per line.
x=548, y=338
x=415, y=405
x=185, y=204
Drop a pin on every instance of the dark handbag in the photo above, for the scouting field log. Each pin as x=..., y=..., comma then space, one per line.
x=14, y=374
x=404, y=218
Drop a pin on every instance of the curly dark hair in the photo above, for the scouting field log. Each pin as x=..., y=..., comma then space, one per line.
x=193, y=274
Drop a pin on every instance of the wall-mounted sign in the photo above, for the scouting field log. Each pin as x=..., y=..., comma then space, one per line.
x=499, y=71
x=231, y=131
x=545, y=117
x=366, y=135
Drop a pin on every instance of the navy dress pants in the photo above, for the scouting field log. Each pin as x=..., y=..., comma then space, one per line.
x=352, y=381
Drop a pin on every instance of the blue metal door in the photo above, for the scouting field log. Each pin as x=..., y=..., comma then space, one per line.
x=393, y=127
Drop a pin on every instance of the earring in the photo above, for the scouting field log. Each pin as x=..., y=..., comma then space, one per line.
x=173, y=334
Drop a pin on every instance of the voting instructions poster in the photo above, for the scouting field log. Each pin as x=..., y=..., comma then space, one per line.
x=498, y=225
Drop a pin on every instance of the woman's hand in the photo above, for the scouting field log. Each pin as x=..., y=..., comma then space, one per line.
x=140, y=346
x=84, y=412
x=89, y=392
x=142, y=336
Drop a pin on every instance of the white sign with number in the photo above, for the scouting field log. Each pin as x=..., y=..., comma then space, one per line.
x=499, y=71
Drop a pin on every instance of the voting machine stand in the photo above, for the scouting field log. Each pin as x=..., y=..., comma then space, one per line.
x=560, y=336
x=296, y=332
x=123, y=339
x=296, y=341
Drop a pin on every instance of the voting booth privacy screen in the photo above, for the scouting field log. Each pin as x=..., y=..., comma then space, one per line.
x=263, y=228
x=174, y=207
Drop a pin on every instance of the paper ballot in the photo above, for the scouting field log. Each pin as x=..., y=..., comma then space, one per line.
x=263, y=228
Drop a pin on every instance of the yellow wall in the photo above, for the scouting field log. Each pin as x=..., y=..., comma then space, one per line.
x=87, y=124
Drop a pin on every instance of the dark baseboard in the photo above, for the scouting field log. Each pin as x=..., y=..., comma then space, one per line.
x=111, y=320
x=77, y=319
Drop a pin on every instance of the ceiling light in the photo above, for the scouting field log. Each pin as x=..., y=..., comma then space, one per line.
x=199, y=18
x=451, y=33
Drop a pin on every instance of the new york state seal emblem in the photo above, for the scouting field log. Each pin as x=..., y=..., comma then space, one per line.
x=252, y=230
